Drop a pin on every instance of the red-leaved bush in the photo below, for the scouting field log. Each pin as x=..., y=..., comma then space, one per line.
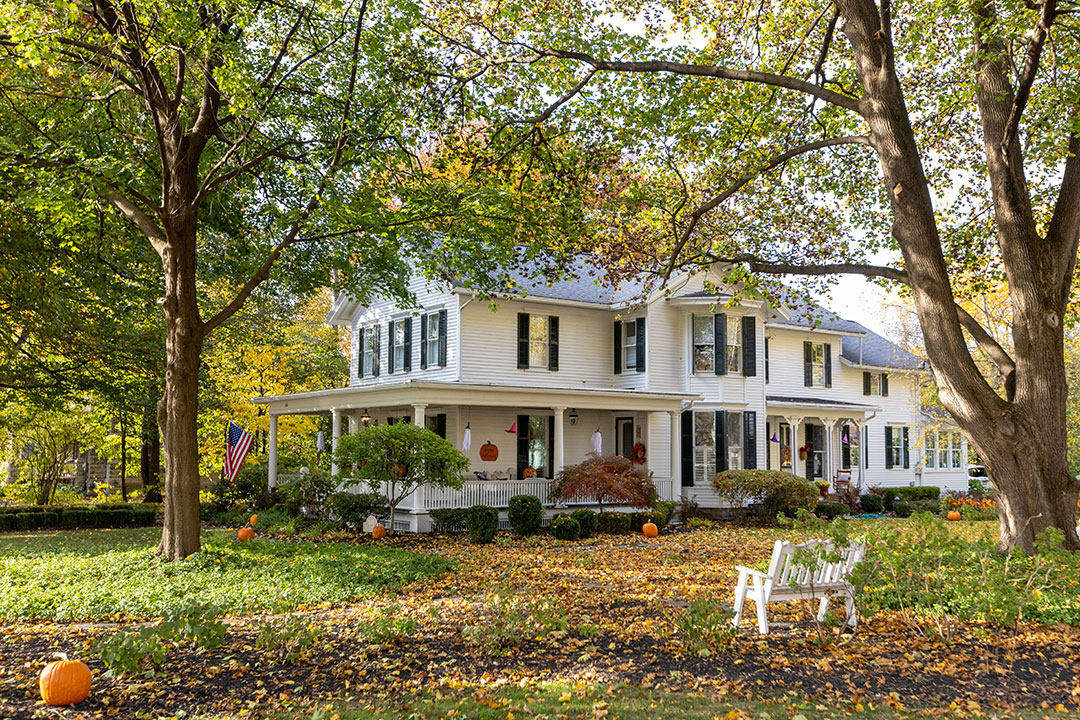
x=607, y=479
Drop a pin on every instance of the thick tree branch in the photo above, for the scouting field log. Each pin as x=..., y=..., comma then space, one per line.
x=1064, y=229
x=771, y=164
x=676, y=68
x=1031, y=69
x=138, y=218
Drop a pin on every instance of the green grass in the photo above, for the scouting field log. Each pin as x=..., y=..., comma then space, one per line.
x=625, y=702
x=104, y=574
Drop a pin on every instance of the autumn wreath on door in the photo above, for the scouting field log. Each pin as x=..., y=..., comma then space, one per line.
x=637, y=454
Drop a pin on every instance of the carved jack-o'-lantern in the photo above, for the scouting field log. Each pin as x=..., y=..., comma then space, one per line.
x=489, y=452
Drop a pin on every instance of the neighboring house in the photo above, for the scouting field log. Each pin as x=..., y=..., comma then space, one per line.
x=678, y=373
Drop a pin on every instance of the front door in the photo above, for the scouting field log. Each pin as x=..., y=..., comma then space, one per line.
x=624, y=436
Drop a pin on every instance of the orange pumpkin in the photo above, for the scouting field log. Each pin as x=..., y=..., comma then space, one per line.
x=254, y=519
x=650, y=530
x=954, y=515
x=245, y=533
x=378, y=532
x=529, y=472
x=64, y=682
x=489, y=452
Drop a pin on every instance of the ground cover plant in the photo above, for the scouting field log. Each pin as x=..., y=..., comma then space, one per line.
x=615, y=621
x=91, y=575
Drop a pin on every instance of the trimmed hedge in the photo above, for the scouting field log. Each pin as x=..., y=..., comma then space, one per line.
x=586, y=520
x=872, y=503
x=483, y=523
x=525, y=514
x=564, y=527
x=7, y=521
x=70, y=518
x=908, y=494
x=613, y=523
x=831, y=510
x=639, y=519
x=450, y=520
x=904, y=509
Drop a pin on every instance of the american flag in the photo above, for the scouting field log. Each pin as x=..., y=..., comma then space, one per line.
x=236, y=450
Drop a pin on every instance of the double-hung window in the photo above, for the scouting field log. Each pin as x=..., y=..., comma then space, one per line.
x=704, y=447
x=955, y=455
x=849, y=447
x=704, y=343
x=875, y=383
x=630, y=343
x=539, y=339
x=944, y=450
x=817, y=364
x=371, y=350
x=734, y=345
x=433, y=338
x=399, y=342
x=734, y=440
x=931, y=450
x=896, y=446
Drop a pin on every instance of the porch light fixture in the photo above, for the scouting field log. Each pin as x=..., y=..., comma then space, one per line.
x=365, y=418
x=572, y=417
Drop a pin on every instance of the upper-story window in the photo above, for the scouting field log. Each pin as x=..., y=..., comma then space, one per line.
x=875, y=383
x=400, y=339
x=630, y=344
x=433, y=339
x=369, y=349
x=538, y=341
x=817, y=364
x=734, y=345
x=704, y=343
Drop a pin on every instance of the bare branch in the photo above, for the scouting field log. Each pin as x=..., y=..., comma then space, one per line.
x=771, y=164
x=676, y=68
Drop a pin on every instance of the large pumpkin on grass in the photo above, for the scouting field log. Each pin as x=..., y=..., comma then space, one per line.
x=954, y=515
x=245, y=533
x=64, y=682
x=378, y=532
x=650, y=530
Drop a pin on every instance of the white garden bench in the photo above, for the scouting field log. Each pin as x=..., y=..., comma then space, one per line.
x=785, y=580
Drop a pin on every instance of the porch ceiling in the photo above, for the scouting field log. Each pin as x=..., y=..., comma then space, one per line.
x=812, y=405
x=409, y=392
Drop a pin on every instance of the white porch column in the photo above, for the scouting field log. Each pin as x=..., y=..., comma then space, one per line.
x=675, y=459
x=827, y=471
x=418, y=414
x=335, y=435
x=559, y=451
x=794, y=423
x=862, y=449
x=271, y=460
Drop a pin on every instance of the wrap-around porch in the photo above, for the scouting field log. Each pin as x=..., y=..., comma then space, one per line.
x=516, y=439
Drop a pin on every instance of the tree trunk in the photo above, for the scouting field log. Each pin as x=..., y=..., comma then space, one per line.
x=123, y=458
x=179, y=405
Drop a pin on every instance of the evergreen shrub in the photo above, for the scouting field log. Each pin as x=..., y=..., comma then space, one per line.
x=613, y=523
x=564, y=527
x=525, y=514
x=586, y=520
x=482, y=522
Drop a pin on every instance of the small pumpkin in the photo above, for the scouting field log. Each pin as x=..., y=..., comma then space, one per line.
x=254, y=519
x=64, y=681
x=650, y=530
x=954, y=515
x=378, y=532
x=245, y=533
x=399, y=470
x=529, y=472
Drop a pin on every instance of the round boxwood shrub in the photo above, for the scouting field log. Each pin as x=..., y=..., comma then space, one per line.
x=872, y=503
x=586, y=520
x=482, y=523
x=830, y=510
x=613, y=523
x=525, y=514
x=564, y=527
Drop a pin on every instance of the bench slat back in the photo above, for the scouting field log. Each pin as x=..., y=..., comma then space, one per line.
x=785, y=571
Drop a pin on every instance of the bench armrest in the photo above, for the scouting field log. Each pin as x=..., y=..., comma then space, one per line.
x=743, y=570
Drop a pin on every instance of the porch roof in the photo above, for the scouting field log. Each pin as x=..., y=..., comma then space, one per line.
x=806, y=403
x=409, y=392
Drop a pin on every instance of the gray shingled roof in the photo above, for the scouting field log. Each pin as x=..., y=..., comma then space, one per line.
x=589, y=286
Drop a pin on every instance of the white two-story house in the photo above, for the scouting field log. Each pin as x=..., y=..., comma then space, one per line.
x=682, y=380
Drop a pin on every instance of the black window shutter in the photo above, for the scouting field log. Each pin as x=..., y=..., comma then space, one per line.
x=720, y=343
x=360, y=355
x=423, y=341
x=749, y=419
x=553, y=342
x=866, y=446
x=640, y=345
x=618, y=346
x=749, y=346
x=721, y=441
x=440, y=425
x=687, y=430
x=389, y=421
x=865, y=383
x=885, y=384
x=766, y=361
x=523, y=340
x=808, y=359
x=888, y=447
x=522, y=445
x=550, y=459
x=828, y=365
x=845, y=446
x=376, y=336
x=907, y=454
x=408, y=344
x=442, y=338
x=390, y=368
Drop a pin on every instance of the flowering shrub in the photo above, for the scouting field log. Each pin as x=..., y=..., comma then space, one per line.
x=972, y=508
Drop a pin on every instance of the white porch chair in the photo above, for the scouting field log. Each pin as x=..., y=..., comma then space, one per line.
x=785, y=581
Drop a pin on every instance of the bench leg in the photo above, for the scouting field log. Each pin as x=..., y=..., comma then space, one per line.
x=849, y=605
x=759, y=600
x=823, y=607
x=740, y=599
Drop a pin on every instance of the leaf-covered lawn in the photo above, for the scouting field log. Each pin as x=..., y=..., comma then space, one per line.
x=114, y=574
